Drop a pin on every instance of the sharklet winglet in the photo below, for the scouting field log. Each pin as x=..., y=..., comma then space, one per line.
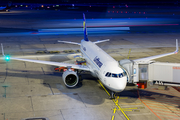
x=177, y=47
x=2, y=49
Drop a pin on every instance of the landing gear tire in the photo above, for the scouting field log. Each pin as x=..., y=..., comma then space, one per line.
x=112, y=95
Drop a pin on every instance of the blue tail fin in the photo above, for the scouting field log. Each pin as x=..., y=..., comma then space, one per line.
x=84, y=28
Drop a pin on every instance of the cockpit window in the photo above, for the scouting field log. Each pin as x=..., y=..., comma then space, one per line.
x=108, y=74
x=114, y=75
x=121, y=75
x=124, y=73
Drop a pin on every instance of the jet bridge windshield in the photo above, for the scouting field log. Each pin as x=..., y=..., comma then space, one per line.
x=114, y=75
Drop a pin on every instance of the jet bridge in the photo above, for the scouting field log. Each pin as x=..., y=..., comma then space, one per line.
x=146, y=70
x=160, y=73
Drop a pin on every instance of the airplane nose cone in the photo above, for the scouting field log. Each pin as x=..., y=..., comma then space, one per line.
x=121, y=85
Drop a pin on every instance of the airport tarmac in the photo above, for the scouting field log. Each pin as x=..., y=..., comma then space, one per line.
x=31, y=90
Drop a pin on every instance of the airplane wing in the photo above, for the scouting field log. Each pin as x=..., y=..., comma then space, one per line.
x=159, y=56
x=60, y=64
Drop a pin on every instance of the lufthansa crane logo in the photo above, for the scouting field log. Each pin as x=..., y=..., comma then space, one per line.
x=98, y=62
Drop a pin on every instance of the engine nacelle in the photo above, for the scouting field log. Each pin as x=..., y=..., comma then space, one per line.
x=70, y=78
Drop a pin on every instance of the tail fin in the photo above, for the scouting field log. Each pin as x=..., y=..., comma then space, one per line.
x=84, y=28
x=9, y=5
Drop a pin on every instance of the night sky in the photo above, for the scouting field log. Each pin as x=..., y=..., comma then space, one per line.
x=85, y=1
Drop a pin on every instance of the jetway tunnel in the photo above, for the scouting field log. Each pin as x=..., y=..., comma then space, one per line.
x=161, y=73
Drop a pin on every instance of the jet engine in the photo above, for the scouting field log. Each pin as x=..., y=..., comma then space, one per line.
x=70, y=78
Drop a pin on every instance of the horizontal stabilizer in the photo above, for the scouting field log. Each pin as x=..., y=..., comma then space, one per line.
x=69, y=42
x=100, y=41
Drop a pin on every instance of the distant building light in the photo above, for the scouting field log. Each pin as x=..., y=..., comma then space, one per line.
x=21, y=5
x=42, y=5
x=26, y=5
x=73, y=5
x=57, y=5
x=16, y=6
x=113, y=6
x=48, y=7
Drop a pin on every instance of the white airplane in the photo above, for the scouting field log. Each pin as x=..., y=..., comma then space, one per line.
x=7, y=7
x=98, y=62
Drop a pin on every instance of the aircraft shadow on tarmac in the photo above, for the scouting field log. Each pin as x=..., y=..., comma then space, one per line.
x=132, y=94
x=48, y=81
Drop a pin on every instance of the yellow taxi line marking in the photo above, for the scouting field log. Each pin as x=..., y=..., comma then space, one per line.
x=112, y=117
x=128, y=108
x=123, y=98
x=129, y=53
x=103, y=87
x=114, y=110
x=116, y=102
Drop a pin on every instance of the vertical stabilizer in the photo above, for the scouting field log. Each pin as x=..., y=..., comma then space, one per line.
x=84, y=28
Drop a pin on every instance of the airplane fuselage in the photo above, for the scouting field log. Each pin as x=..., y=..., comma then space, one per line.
x=103, y=66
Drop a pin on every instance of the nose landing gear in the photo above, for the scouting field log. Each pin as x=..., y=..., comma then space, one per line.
x=112, y=95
